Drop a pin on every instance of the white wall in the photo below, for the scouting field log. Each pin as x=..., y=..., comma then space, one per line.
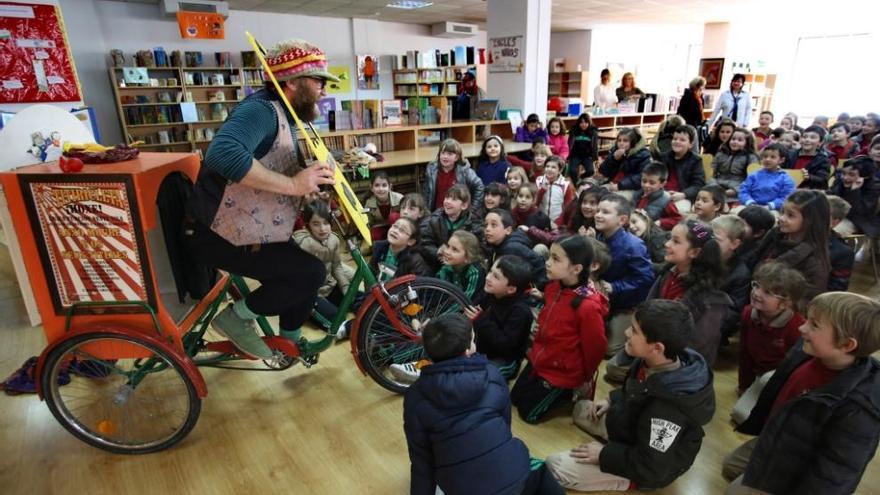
x=573, y=46
x=97, y=26
x=657, y=54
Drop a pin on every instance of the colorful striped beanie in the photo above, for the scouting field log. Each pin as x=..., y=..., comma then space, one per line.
x=298, y=58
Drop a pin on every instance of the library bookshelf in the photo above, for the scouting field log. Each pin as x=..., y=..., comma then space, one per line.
x=152, y=112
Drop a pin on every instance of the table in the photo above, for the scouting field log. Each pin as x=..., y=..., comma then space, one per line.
x=425, y=154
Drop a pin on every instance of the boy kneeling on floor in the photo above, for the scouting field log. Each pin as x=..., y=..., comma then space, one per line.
x=654, y=424
x=456, y=417
x=818, y=418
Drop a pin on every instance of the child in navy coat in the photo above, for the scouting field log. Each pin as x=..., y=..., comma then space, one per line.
x=456, y=417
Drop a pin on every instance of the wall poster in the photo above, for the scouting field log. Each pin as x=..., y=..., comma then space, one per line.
x=37, y=65
x=505, y=54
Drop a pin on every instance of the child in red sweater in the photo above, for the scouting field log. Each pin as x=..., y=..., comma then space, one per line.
x=570, y=340
x=769, y=325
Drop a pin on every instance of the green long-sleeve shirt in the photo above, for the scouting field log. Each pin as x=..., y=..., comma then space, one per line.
x=469, y=279
x=248, y=133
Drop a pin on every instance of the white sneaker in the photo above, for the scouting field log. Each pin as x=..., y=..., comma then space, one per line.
x=406, y=372
x=860, y=255
x=344, y=330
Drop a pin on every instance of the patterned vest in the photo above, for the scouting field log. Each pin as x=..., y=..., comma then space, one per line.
x=250, y=216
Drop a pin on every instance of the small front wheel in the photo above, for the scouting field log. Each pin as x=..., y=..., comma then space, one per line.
x=126, y=395
x=380, y=345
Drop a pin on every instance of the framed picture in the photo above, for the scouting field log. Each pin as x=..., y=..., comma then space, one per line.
x=710, y=69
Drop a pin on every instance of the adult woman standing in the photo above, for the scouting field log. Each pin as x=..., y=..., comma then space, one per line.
x=691, y=105
x=628, y=89
x=604, y=96
x=734, y=103
x=691, y=109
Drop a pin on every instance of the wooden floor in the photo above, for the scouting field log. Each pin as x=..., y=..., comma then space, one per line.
x=324, y=430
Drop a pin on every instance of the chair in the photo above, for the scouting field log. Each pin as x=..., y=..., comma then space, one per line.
x=796, y=175
x=858, y=241
x=707, y=166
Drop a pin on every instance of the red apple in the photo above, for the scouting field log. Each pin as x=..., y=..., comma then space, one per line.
x=70, y=165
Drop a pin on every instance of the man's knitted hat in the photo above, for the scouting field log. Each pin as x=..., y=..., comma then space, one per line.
x=298, y=58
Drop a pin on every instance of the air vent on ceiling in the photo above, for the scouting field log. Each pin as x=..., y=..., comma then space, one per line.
x=171, y=7
x=453, y=30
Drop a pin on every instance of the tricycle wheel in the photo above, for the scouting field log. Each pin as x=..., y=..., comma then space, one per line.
x=381, y=345
x=126, y=394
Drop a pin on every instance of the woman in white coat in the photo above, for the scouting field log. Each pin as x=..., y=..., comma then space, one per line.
x=734, y=103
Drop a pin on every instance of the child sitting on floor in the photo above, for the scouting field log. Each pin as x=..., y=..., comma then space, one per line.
x=502, y=238
x=801, y=239
x=400, y=254
x=413, y=207
x=456, y=418
x=319, y=240
x=462, y=262
x=811, y=159
x=654, y=200
x=732, y=160
x=654, y=424
x=629, y=278
x=453, y=215
x=770, y=185
x=840, y=255
x=516, y=177
x=526, y=212
x=496, y=195
x=554, y=190
x=383, y=205
x=625, y=161
x=817, y=419
x=710, y=203
x=570, y=340
x=692, y=275
x=655, y=238
x=503, y=318
x=492, y=163
x=769, y=325
x=730, y=230
x=758, y=221
x=556, y=138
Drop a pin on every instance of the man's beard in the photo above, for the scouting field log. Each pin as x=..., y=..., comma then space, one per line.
x=304, y=104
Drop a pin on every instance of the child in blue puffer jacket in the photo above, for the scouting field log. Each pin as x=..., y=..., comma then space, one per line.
x=771, y=185
x=456, y=417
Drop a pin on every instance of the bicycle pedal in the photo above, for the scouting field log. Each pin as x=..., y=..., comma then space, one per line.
x=309, y=361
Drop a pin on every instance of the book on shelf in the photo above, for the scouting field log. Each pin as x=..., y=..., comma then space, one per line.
x=392, y=114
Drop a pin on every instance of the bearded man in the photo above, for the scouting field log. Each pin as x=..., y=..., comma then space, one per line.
x=244, y=204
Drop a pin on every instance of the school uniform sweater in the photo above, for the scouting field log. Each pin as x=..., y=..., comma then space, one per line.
x=659, y=206
x=821, y=441
x=764, y=344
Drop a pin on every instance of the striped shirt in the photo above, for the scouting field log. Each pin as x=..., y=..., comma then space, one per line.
x=470, y=279
x=247, y=134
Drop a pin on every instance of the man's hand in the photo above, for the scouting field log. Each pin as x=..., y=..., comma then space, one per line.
x=310, y=179
x=587, y=453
